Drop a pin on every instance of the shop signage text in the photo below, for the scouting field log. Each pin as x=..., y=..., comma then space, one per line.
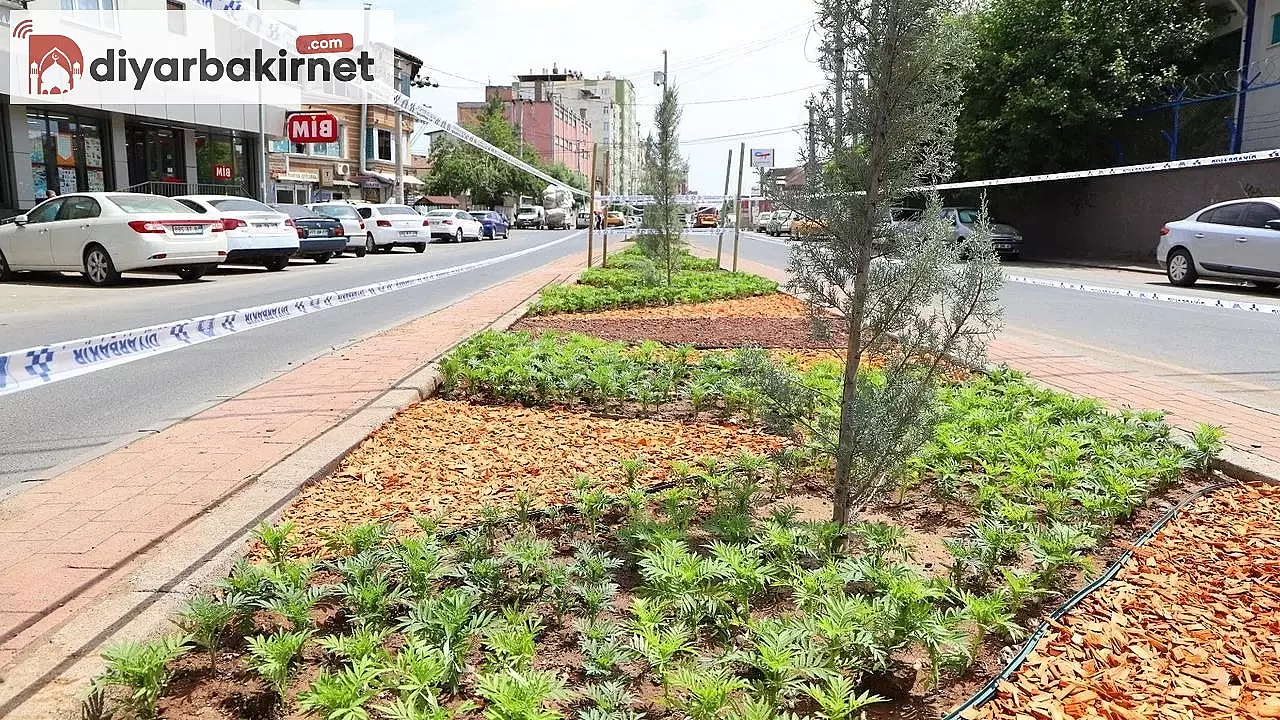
x=222, y=171
x=311, y=127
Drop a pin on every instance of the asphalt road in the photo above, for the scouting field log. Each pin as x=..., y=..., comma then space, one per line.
x=51, y=426
x=1224, y=352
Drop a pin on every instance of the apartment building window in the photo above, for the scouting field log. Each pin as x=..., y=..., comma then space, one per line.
x=1275, y=29
x=332, y=149
x=379, y=145
x=98, y=13
x=279, y=145
x=177, y=17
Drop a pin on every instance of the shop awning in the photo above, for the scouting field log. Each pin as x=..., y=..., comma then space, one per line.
x=391, y=178
x=438, y=200
x=295, y=177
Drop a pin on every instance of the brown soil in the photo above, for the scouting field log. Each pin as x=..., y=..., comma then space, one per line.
x=452, y=458
x=1185, y=630
x=713, y=332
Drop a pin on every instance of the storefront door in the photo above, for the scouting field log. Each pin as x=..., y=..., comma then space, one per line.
x=155, y=155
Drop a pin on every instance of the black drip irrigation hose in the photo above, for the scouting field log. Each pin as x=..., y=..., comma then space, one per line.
x=988, y=691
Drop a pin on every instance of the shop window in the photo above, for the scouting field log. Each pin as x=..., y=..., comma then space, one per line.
x=280, y=145
x=155, y=155
x=98, y=13
x=332, y=149
x=67, y=154
x=223, y=159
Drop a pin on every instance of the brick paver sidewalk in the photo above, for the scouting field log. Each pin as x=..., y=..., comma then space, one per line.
x=68, y=541
x=1248, y=429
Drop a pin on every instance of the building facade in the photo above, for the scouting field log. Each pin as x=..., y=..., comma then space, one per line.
x=356, y=166
x=543, y=122
x=171, y=149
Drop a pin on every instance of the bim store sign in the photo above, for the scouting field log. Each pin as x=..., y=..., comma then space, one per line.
x=152, y=59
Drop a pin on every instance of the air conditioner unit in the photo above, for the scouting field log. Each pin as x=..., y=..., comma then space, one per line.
x=342, y=169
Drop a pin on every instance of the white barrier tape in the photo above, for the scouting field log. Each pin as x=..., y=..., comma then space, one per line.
x=279, y=34
x=34, y=367
x=687, y=231
x=1196, y=300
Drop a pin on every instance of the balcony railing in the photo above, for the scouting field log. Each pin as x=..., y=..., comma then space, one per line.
x=174, y=189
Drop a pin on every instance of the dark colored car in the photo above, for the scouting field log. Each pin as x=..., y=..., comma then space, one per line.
x=495, y=224
x=319, y=238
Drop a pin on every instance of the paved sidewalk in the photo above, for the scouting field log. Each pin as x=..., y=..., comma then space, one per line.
x=1248, y=429
x=71, y=539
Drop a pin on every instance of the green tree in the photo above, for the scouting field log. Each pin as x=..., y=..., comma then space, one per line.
x=457, y=167
x=1050, y=78
x=664, y=169
x=886, y=125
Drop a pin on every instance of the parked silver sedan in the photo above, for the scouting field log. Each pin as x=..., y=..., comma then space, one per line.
x=1235, y=240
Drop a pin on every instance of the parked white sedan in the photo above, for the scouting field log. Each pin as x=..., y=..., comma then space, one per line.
x=257, y=234
x=105, y=234
x=389, y=226
x=1237, y=240
x=454, y=226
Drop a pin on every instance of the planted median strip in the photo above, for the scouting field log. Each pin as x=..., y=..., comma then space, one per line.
x=615, y=529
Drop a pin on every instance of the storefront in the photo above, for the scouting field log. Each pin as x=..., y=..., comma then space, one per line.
x=156, y=154
x=296, y=186
x=224, y=158
x=68, y=153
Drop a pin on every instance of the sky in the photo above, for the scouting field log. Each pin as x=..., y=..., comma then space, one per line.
x=718, y=50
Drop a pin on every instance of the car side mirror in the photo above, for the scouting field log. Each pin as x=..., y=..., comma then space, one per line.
x=1273, y=224
x=21, y=220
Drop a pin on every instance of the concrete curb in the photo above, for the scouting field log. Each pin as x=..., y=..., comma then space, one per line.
x=50, y=678
x=1099, y=265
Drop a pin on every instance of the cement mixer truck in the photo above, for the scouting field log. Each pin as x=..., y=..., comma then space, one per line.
x=558, y=203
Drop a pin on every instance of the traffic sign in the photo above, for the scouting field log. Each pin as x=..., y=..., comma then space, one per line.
x=762, y=158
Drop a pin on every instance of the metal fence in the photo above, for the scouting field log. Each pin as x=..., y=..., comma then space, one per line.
x=174, y=189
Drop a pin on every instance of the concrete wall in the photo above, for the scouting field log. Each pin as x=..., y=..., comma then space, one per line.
x=1119, y=218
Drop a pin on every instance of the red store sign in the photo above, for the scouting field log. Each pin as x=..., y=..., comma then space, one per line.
x=311, y=127
x=222, y=171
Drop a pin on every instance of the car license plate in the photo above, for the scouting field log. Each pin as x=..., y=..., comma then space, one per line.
x=408, y=233
x=1003, y=246
x=188, y=229
x=264, y=225
x=317, y=233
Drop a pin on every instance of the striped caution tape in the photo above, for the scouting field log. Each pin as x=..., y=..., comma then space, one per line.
x=34, y=367
x=1197, y=300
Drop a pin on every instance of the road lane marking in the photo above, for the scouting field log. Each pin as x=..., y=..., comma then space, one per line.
x=38, y=366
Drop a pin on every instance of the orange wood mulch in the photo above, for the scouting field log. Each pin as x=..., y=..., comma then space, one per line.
x=452, y=457
x=1190, y=628
x=777, y=305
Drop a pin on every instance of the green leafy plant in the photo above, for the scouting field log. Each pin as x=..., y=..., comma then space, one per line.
x=990, y=613
x=275, y=657
x=362, y=643
x=205, y=620
x=296, y=604
x=1207, y=444
x=405, y=709
x=342, y=695
x=358, y=539
x=513, y=695
x=662, y=646
x=704, y=693
x=420, y=670
x=278, y=540
x=601, y=657
x=141, y=670
x=511, y=641
x=839, y=699
x=786, y=656
x=371, y=601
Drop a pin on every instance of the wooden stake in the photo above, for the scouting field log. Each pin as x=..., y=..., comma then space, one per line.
x=737, y=208
x=591, y=223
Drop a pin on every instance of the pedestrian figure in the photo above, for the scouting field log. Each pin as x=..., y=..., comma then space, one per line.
x=50, y=194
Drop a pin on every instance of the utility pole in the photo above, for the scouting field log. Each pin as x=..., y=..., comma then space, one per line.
x=664, y=74
x=591, y=224
x=604, y=235
x=737, y=204
x=399, y=157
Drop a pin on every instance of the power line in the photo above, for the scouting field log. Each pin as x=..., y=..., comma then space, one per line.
x=739, y=99
x=748, y=134
x=453, y=75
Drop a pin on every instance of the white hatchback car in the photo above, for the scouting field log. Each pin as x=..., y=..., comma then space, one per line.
x=1237, y=240
x=103, y=234
x=454, y=226
x=390, y=226
x=358, y=241
x=257, y=234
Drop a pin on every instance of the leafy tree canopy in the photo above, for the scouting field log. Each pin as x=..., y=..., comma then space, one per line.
x=1051, y=77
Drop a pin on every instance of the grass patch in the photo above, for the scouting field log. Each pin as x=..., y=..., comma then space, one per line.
x=633, y=280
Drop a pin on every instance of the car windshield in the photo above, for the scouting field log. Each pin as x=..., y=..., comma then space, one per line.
x=971, y=216
x=296, y=211
x=337, y=211
x=239, y=205
x=396, y=210
x=528, y=211
x=148, y=204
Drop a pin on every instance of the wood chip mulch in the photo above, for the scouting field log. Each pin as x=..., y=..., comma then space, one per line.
x=777, y=305
x=699, y=332
x=1190, y=628
x=452, y=457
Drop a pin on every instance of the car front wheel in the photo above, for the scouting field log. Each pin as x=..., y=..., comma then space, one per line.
x=369, y=245
x=99, y=268
x=458, y=237
x=1181, y=269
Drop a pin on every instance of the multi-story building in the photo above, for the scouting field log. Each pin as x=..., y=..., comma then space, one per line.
x=609, y=105
x=356, y=166
x=543, y=122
